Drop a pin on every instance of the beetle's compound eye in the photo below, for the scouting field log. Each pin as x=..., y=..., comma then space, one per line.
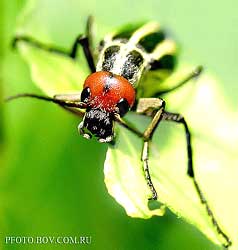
x=123, y=106
x=85, y=95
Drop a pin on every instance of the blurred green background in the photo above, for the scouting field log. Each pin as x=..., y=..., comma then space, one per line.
x=51, y=179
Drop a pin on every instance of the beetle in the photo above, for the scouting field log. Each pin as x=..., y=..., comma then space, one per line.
x=115, y=86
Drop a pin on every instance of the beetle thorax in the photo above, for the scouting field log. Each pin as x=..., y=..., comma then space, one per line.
x=107, y=89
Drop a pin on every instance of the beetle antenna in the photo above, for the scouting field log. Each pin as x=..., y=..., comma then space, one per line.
x=49, y=99
x=45, y=98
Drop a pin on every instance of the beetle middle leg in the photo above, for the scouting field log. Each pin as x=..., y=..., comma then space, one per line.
x=146, y=106
x=83, y=40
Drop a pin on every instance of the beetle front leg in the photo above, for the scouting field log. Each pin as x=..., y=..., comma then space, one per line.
x=82, y=40
x=86, y=43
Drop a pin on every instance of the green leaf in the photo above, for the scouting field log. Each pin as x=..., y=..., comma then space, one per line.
x=53, y=73
x=211, y=122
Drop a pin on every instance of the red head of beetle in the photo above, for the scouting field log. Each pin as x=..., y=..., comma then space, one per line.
x=105, y=94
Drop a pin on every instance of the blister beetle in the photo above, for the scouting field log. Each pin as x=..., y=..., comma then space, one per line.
x=115, y=86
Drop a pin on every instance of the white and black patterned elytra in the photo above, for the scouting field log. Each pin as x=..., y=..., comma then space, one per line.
x=135, y=50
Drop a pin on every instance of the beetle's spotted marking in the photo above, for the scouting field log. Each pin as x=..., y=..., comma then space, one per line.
x=163, y=55
x=110, y=57
x=132, y=65
x=150, y=41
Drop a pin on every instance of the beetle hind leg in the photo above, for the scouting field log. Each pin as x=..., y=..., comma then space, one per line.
x=174, y=117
